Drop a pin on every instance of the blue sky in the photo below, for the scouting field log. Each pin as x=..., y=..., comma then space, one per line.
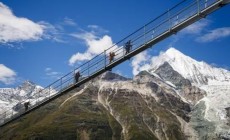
x=42, y=40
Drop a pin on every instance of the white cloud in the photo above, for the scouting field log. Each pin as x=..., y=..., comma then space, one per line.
x=214, y=35
x=52, y=74
x=80, y=57
x=96, y=28
x=86, y=36
x=196, y=28
x=204, y=35
x=51, y=32
x=144, y=61
x=140, y=62
x=95, y=45
x=14, y=29
x=7, y=75
x=69, y=21
x=48, y=69
x=93, y=26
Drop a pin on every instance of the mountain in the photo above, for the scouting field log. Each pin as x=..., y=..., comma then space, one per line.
x=199, y=73
x=108, y=107
x=11, y=97
x=212, y=109
x=190, y=93
x=163, y=103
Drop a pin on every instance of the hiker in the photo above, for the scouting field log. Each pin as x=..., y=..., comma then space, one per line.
x=128, y=47
x=111, y=56
x=26, y=105
x=77, y=76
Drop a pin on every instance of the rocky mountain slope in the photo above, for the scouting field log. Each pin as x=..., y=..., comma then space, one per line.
x=215, y=82
x=161, y=103
x=108, y=107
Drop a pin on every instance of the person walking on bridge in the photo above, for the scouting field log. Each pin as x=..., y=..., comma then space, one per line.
x=128, y=47
x=111, y=56
x=77, y=76
x=26, y=105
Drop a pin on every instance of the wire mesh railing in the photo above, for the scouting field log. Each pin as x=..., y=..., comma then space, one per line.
x=163, y=23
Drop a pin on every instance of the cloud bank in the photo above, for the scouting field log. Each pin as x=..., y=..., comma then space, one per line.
x=95, y=45
x=141, y=62
x=214, y=35
x=7, y=75
x=14, y=29
x=196, y=28
x=205, y=35
x=52, y=74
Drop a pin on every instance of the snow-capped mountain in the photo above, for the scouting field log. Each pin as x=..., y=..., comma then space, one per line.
x=28, y=89
x=215, y=81
x=9, y=97
x=179, y=98
x=199, y=73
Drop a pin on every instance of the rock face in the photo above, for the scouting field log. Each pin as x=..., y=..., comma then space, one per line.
x=227, y=112
x=228, y=115
x=159, y=104
x=189, y=92
x=167, y=73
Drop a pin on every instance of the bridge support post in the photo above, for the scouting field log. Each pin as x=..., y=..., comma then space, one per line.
x=105, y=57
x=4, y=118
x=88, y=68
x=169, y=20
x=205, y=3
x=145, y=34
x=49, y=92
x=198, y=7
x=61, y=84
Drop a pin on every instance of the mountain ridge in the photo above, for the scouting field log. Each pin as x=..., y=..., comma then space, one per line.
x=160, y=103
x=198, y=72
x=10, y=97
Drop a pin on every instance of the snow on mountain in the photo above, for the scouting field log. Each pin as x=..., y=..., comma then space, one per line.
x=215, y=81
x=216, y=102
x=28, y=89
x=10, y=97
x=199, y=73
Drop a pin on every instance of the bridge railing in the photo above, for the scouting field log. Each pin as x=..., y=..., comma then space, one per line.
x=155, y=28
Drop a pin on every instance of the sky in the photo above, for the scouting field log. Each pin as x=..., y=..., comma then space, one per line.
x=42, y=40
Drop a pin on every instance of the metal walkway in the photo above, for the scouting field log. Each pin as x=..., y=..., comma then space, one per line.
x=165, y=25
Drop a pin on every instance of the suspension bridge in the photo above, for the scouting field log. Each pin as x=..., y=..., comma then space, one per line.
x=170, y=22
